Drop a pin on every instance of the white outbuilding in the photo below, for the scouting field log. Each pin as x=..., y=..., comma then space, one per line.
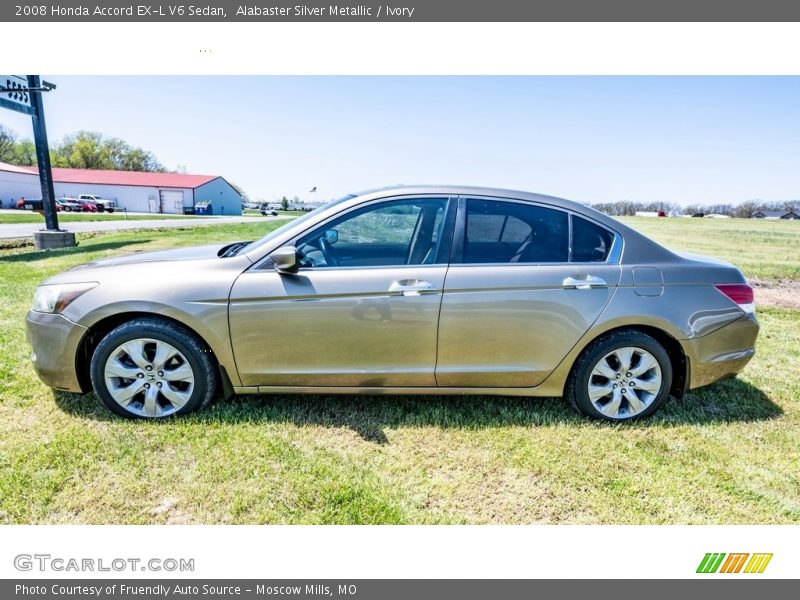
x=135, y=191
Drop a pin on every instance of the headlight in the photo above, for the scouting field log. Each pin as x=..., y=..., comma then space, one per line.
x=56, y=298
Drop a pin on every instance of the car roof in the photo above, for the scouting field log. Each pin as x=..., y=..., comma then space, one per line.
x=467, y=190
x=463, y=190
x=636, y=245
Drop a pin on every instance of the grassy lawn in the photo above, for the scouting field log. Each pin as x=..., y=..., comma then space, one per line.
x=29, y=217
x=729, y=453
x=762, y=249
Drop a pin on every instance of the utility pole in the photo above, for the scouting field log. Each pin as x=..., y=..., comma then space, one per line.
x=43, y=155
x=24, y=95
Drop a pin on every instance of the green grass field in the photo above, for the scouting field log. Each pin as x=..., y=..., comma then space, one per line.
x=767, y=250
x=728, y=453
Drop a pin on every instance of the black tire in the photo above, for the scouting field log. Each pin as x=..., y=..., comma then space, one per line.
x=577, y=392
x=68, y=208
x=198, y=356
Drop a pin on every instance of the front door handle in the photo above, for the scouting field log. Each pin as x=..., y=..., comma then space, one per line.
x=592, y=281
x=410, y=287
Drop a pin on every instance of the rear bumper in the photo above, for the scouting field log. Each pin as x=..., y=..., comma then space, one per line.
x=722, y=353
x=55, y=340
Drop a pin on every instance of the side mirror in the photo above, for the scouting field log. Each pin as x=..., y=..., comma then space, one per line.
x=285, y=259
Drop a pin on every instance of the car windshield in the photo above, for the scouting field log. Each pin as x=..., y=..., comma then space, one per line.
x=283, y=228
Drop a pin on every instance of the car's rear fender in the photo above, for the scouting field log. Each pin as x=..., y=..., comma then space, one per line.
x=677, y=314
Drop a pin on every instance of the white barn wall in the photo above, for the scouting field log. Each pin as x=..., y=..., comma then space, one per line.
x=134, y=198
x=225, y=199
x=222, y=195
x=14, y=186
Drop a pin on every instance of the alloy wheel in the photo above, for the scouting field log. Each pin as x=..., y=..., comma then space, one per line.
x=624, y=382
x=149, y=377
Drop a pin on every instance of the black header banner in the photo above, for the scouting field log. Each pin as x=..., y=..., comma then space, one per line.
x=401, y=11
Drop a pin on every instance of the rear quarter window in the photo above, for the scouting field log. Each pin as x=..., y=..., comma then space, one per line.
x=590, y=242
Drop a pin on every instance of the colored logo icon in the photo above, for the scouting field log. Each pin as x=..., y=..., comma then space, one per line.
x=719, y=562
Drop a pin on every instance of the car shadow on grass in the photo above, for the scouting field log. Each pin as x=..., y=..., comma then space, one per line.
x=80, y=249
x=725, y=402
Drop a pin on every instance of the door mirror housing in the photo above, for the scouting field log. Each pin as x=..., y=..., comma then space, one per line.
x=285, y=259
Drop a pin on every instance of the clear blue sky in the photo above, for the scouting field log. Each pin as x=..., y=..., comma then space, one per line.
x=593, y=139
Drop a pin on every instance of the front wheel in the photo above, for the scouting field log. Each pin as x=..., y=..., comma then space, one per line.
x=149, y=368
x=623, y=376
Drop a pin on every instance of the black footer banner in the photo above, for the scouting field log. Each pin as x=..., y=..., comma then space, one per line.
x=394, y=589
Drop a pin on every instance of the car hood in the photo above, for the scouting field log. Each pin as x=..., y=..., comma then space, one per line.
x=191, y=253
x=168, y=266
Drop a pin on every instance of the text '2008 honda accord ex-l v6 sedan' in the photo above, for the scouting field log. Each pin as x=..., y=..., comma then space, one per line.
x=412, y=290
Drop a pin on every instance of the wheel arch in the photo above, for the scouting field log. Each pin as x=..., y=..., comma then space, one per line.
x=98, y=330
x=555, y=384
x=677, y=356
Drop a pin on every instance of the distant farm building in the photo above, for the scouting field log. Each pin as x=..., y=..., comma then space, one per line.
x=776, y=214
x=135, y=191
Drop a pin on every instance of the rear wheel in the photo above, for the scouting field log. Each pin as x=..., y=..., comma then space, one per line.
x=149, y=368
x=623, y=376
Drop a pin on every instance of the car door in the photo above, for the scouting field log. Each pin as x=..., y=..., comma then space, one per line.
x=362, y=309
x=526, y=282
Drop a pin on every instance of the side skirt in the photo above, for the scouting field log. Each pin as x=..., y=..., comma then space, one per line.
x=391, y=391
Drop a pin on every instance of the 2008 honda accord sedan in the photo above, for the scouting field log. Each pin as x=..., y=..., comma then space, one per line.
x=410, y=290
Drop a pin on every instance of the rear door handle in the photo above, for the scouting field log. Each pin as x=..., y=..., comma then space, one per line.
x=410, y=287
x=592, y=281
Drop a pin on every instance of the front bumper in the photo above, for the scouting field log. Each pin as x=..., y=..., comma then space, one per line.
x=55, y=340
x=722, y=353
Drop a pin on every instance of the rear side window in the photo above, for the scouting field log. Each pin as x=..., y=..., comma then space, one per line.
x=512, y=232
x=590, y=242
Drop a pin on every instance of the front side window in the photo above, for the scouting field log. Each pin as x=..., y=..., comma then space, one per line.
x=513, y=232
x=391, y=233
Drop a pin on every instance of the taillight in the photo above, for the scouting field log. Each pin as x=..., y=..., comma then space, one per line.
x=740, y=293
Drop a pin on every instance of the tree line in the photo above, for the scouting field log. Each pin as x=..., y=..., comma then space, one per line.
x=81, y=150
x=87, y=150
x=743, y=210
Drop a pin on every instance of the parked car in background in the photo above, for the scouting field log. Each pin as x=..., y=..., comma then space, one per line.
x=268, y=212
x=410, y=290
x=78, y=205
x=87, y=206
x=101, y=204
x=68, y=205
